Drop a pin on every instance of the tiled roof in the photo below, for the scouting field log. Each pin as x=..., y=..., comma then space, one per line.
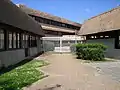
x=106, y=21
x=46, y=15
x=14, y=16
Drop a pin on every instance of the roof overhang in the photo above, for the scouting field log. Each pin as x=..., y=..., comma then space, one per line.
x=52, y=28
x=105, y=22
x=14, y=16
x=46, y=15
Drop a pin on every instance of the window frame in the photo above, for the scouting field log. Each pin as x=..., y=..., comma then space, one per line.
x=7, y=43
x=1, y=29
x=32, y=40
x=15, y=40
x=117, y=40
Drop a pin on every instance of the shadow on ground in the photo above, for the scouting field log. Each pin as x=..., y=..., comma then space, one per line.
x=9, y=68
x=52, y=87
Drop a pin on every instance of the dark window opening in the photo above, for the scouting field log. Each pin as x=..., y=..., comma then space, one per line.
x=55, y=23
x=33, y=41
x=117, y=40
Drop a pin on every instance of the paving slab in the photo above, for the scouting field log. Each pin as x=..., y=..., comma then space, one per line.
x=111, y=69
x=67, y=73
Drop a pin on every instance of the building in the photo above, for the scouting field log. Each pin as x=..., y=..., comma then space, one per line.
x=52, y=25
x=62, y=43
x=20, y=35
x=104, y=28
x=54, y=28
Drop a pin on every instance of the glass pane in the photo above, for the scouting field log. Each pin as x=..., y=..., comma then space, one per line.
x=26, y=41
x=23, y=42
x=10, y=39
x=1, y=39
x=30, y=40
x=18, y=40
x=14, y=40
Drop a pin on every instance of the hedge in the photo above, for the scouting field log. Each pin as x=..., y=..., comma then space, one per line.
x=91, y=51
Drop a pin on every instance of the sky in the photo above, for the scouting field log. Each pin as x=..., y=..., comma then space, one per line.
x=74, y=10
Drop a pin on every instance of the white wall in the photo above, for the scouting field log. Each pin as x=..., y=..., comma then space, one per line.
x=11, y=57
x=111, y=51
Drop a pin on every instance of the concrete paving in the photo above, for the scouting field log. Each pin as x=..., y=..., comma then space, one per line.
x=67, y=73
x=111, y=69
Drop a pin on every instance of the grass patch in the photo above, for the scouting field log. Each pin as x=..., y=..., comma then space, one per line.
x=22, y=76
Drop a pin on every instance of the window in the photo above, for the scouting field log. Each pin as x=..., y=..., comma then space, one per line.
x=25, y=43
x=47, y=21
x=26, y=40
x=13, y=40
x=52, y=23
x=101, y=36
x=41, y=20
x=63, y=25
x=117, y=41
x=33, y=42
x=18, y=40
x=37, y=19
x=30, y=41
x=92, y=36
x=1, y=39
x=10, y=39
x=41, y=42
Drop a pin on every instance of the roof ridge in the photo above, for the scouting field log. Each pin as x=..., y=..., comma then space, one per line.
x=51, y=15
x=104, y=13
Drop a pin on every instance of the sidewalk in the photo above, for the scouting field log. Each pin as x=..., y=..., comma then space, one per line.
x=67, y=73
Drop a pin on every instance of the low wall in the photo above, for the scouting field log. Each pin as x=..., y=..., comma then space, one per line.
x=62, y=49
x=11, y=57
x=111, y=51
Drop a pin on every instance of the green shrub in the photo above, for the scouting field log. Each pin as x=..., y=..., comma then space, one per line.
x=95, y=45
x=91, y=51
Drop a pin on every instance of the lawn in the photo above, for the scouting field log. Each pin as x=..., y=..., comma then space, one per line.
x=22, y=76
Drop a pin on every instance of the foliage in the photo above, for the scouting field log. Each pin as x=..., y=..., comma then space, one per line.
x=91, y=45
x=91, y=51
x=21, y=76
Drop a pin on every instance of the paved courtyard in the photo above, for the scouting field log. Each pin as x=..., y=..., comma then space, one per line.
x=111, y=69
x=67, y=73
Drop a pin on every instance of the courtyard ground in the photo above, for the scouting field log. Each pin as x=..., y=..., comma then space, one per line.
x=67, y=73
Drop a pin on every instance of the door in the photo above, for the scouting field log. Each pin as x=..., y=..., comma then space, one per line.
x=26, y=52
